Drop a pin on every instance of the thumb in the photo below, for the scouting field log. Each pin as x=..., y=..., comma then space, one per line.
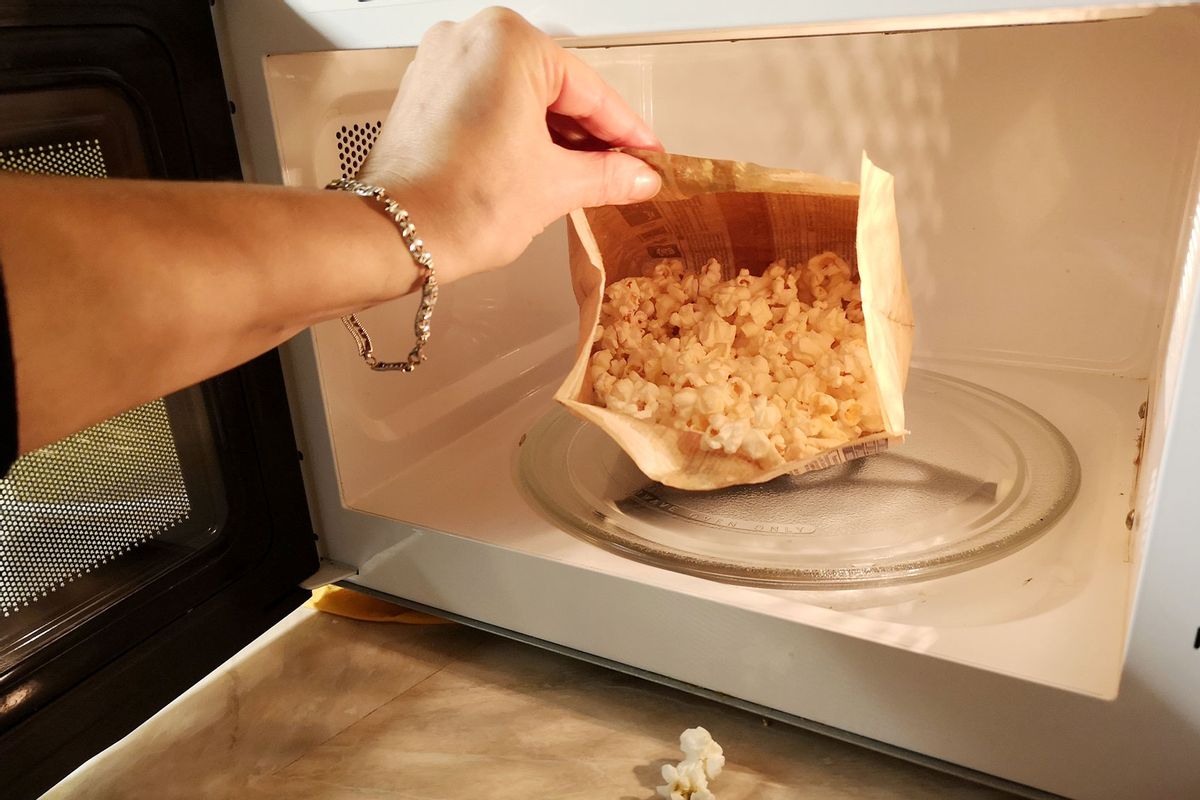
x=606, y=178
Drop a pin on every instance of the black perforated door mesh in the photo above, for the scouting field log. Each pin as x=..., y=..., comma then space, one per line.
x=87, y=520
x=60, y=158
x=72, y=507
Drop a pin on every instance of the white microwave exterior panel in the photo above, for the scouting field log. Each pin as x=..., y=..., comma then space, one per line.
x=504, y=338
x=978, y=669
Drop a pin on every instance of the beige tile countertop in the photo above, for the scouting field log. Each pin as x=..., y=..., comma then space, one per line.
x=330, y=708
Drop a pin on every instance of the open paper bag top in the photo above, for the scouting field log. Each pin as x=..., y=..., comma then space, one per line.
x=745, y=216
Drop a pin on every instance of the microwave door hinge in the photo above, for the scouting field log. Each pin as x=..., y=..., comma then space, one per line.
x=329, y=572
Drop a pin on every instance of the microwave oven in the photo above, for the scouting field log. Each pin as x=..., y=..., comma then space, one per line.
x=1046, y=161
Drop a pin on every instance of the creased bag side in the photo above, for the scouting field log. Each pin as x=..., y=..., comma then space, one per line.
x=887, y=306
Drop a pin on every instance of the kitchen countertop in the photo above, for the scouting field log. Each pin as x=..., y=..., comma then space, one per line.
x=326, y=707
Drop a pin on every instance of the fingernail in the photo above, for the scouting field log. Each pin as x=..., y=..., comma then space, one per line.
x=650, y=141
x=645, y=185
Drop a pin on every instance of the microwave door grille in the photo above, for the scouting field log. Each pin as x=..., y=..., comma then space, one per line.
x=74, y=507
x=87, y=521
x=138, y=555
x=84, y=158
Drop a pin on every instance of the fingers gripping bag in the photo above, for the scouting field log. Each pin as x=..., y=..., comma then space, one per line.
x=745, y=323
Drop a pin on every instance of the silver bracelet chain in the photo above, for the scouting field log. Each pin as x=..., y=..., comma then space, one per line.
x=429, y=284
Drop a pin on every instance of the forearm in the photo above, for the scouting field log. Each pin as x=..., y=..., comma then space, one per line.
x=120, y=292
x=123, y=291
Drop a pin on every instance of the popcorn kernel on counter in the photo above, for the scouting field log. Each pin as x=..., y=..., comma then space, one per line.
x=703, y=760
x=749, y=364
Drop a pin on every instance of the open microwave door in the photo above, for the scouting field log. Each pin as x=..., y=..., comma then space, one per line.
x=138, y=555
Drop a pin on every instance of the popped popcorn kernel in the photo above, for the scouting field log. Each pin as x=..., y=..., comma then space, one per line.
x=755, y=364
x=703, y=760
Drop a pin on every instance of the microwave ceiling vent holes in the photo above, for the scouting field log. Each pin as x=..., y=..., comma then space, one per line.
x=354, y=141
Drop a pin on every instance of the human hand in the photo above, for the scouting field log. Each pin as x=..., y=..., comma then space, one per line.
x=495, y=133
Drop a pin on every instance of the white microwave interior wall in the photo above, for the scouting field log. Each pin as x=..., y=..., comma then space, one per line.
x=1045, y=190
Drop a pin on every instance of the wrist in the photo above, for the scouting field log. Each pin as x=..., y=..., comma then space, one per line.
x=426, y=213
x=422, y=264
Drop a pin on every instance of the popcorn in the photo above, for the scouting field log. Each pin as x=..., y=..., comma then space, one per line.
x=751, y=364
x=703, y=760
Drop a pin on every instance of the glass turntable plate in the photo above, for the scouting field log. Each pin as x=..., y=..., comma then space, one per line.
x=981, y=476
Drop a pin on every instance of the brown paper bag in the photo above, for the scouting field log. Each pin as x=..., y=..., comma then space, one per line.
x=745, y=216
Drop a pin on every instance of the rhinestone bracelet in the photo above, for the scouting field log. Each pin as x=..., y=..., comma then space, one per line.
x=429, y=284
